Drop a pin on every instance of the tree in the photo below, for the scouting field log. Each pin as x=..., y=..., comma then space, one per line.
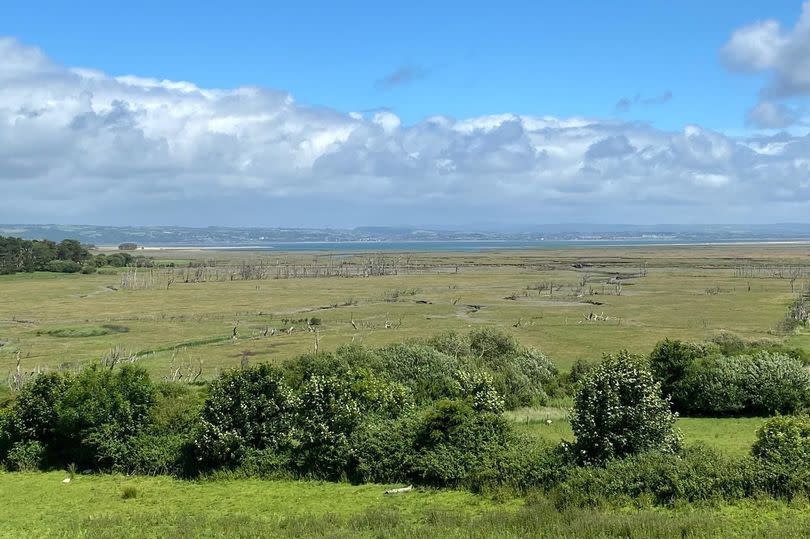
x=619, y=411
x=128, y=246
x=669, y=361
x=71, y=250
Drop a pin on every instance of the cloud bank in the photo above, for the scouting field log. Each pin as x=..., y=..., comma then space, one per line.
x=79, y=145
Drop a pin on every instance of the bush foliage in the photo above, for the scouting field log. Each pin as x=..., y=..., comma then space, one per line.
x=619, y=411
x=430, y=413
x=758, y=379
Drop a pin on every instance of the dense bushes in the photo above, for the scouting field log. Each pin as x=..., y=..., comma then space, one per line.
x=782, y=449
x=453, y=442
x=246, y=410
x=428, y=413
x=97, y=419
x=694, y=474
x=758, y=380
x=619, y=411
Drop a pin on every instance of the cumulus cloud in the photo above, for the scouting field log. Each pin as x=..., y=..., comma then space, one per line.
x=80, y=145
x=782, y=54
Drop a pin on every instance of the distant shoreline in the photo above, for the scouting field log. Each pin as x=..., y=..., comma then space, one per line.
x=449, y=245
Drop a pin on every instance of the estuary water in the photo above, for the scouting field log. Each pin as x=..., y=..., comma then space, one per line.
x=483, y=245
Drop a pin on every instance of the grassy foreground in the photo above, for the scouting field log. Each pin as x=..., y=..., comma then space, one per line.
x=40, y=505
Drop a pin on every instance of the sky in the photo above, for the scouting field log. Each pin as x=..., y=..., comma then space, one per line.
x=368, y=113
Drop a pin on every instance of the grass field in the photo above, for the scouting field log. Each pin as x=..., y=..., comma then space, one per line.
x=688, y=292
x=40, y=505
x=733, y=435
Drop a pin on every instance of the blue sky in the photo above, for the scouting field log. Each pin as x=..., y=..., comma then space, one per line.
x=467, y=58
x=465, y=61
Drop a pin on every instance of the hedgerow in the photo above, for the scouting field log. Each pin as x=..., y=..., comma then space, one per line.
x=430, y=413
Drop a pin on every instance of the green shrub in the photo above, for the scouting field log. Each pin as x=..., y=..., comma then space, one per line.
x=714, y=386
x=775, y=383
x=246, y=409
x=26, y=456
x=489, y=343
x=453, y=443
x=430, y=369
x=86, y=418
x=430, y=374
x=381, y=449
x=63, y=266
x=477, y=389
x=325, y=417
x=694, y=475
x=526, y=464
x=619, y=411
x=98, y=413
x=760, y=384
x=451, y=344
x=782, y=449
x=729, y=344
x=33, y=415
x=521, y=377
x=377, y=396
x=579, y=371
x=6, y=435
x=784, y=440
x=669, y=362
x=89, y=269
x=300, y=369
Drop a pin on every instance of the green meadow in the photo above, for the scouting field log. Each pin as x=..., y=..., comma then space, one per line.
x=41, y=505
x=540, y=297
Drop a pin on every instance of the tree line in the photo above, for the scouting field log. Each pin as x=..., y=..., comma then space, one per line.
x=68, y=256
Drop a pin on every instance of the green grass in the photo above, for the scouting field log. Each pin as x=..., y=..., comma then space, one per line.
x=190, y=319
x=40, y=505
x=733, y=436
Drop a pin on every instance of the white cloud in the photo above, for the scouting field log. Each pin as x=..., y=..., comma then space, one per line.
x=782, y=54
x=756, y=47
x=79, y=145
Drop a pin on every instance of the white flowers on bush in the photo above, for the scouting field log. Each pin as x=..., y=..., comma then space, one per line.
x=478, y=388
x=619, y=411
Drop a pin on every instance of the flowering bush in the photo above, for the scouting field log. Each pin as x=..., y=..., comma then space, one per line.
x=619, y=411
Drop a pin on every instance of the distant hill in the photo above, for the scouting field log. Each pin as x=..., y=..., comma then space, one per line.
x=244, y=236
